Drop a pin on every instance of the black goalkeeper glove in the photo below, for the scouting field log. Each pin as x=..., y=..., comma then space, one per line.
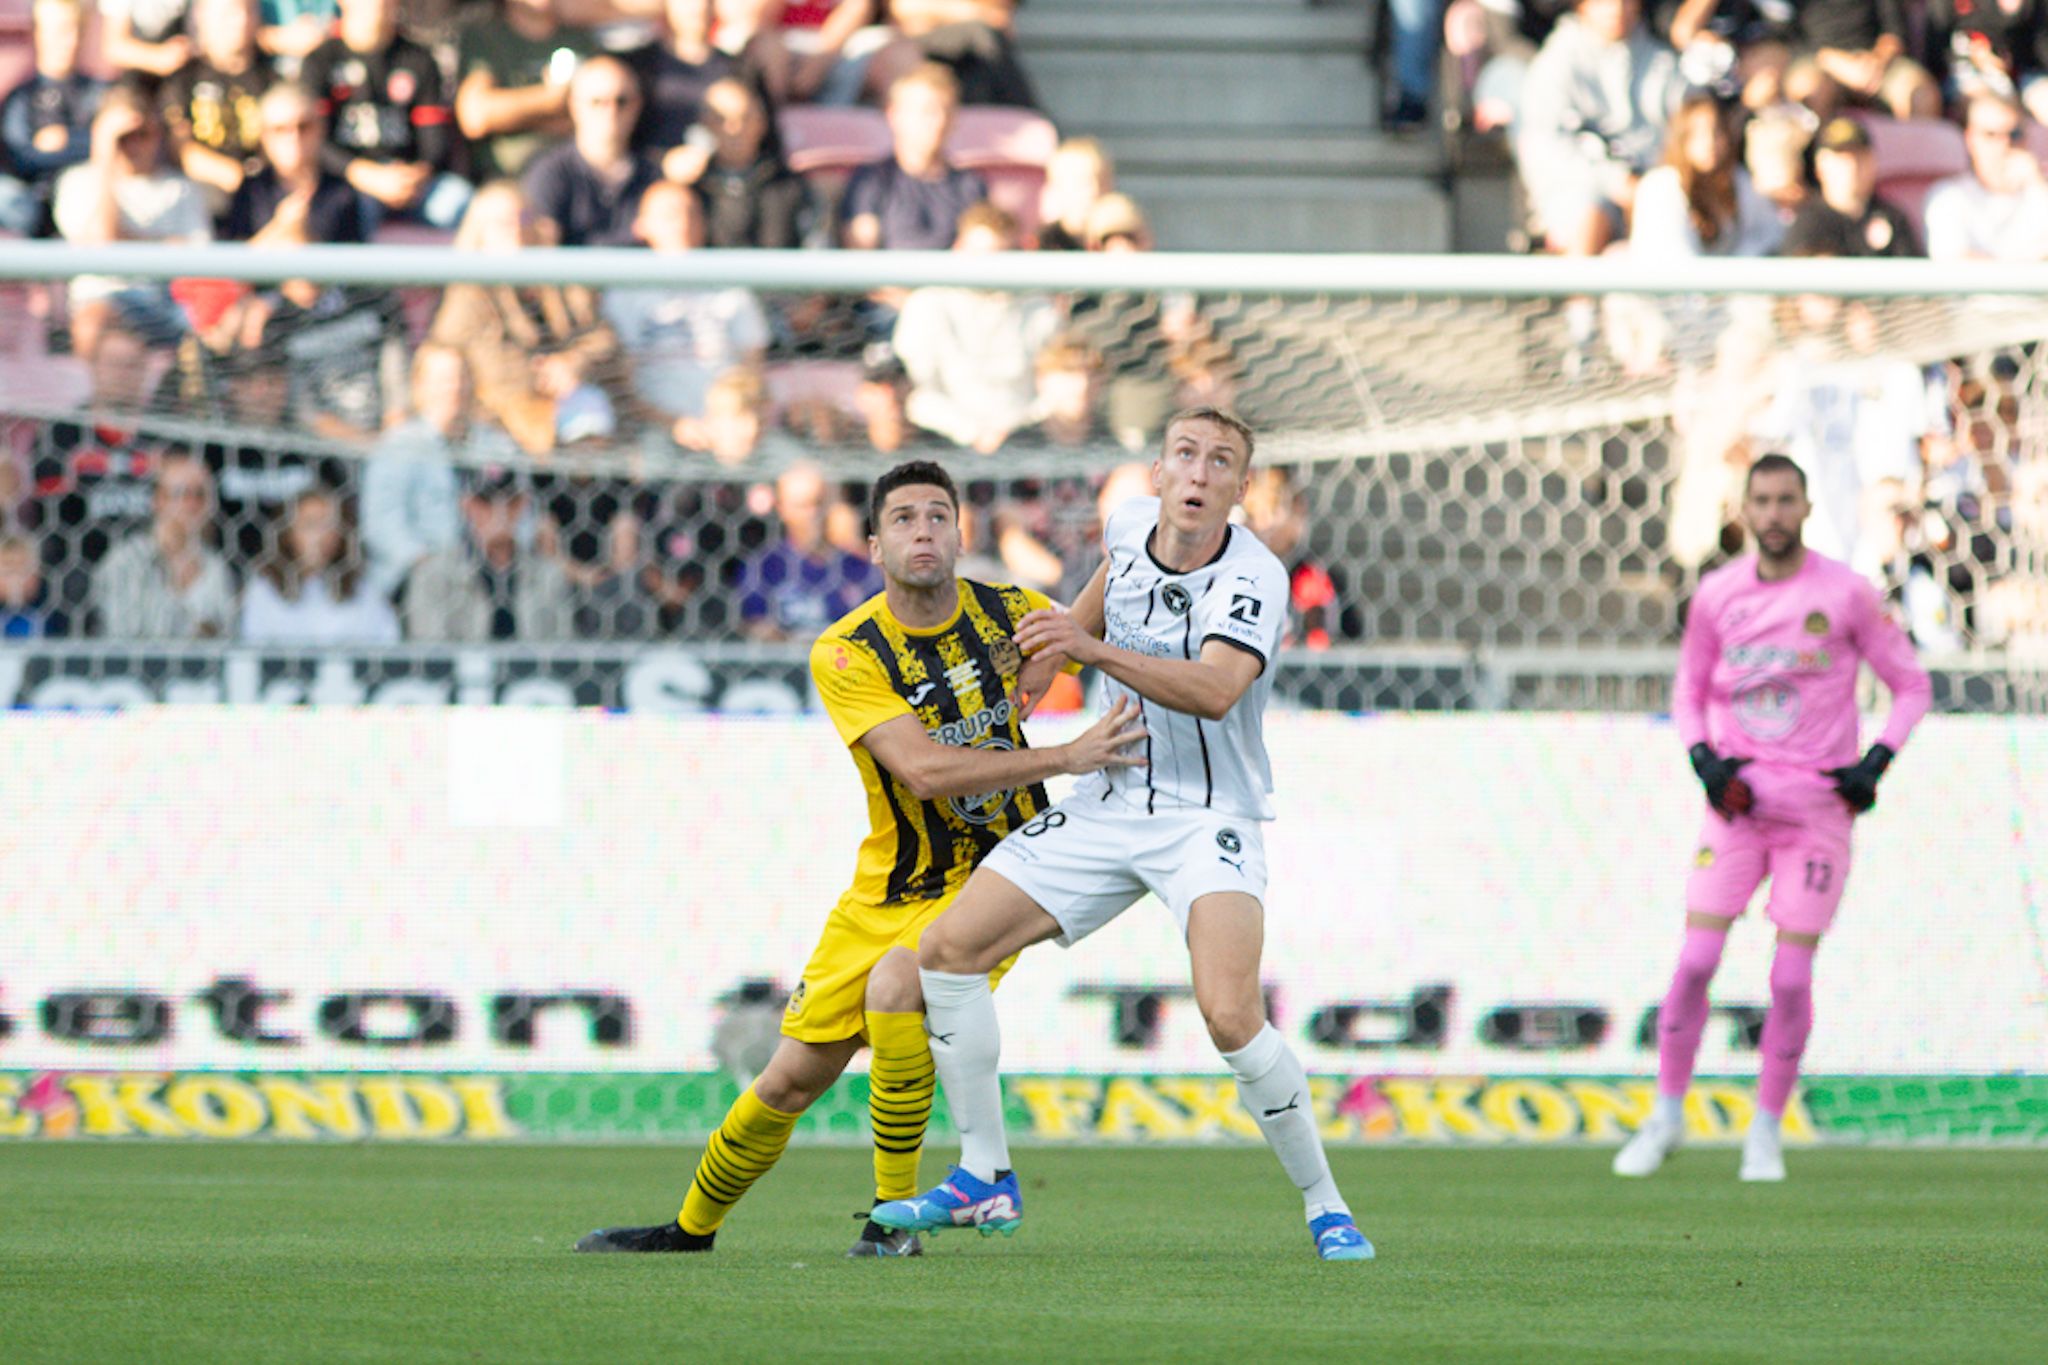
x=1727, y=793
x=1858, y=782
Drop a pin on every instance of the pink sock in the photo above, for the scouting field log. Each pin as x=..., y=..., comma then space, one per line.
x=1683, y=1016
x=1787, y=1026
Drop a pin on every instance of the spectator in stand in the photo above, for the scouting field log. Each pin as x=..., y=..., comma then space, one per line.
x=411, y=502
x=970, y=353
x=974, y=39
x=391, y=128
x=675, y=71
x=1853, y=419
x=309, y=590
x=832, y=52
x=46, y=121
x=1700, y=201
x=91, y=480
x=1417, y=24
x=750, y=195
x=126, y=193
x=588, y=189
x=1594, y=109
x=542, y=357
x=797, y=587
x=1277, y=513
x=735, y=427
x=166, y=583
x=682, y=339
x=291, y=30
x=1493, y=42
x=880, y=399
x=493, y=585
x=1077, y=178
x=1858, y=48
x=1998, y=209
x=339, y=349
x=513, y=99
x=590, y=527
x=1847, y=206
x=912, y=201
x=1734, y=48
x=1116, y=223
x=210, y=104
x=146, y=37
x=1774, y=152
x=1996, y=47
x=1069, y=390
x=27, y=611
x=294, y=198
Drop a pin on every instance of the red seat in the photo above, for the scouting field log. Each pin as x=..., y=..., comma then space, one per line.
x=1911, y=156
x=818, y=139
x=989, y=135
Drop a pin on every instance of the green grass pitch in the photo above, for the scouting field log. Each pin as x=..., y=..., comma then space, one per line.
x=384, y=1253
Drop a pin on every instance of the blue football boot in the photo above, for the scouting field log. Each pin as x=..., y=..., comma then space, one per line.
x=1338, y=1238
x=961, y=1201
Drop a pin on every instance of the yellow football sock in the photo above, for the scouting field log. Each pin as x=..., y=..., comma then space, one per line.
x=900, y=1086
x=749, y=1141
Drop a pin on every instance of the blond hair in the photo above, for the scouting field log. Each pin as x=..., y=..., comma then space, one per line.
x=1229, y=421
x=934, y=76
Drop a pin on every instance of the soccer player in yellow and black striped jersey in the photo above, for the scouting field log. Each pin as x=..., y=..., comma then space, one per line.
x=928, y=689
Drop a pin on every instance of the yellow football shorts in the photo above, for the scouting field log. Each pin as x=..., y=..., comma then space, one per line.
x=830, y=1001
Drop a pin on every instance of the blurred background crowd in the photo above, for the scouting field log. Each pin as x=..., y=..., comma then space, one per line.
x=328, y=464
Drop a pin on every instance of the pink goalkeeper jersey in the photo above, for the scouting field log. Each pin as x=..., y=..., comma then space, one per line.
x=1768, y=670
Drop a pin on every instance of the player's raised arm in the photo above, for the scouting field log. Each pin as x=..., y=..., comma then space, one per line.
x=931, y=769
x=1239, y=622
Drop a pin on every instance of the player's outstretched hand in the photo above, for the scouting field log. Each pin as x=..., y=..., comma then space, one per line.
x=1727, y=793
x=1035, y=679
x=1857, y=782
x=1051, y=630
x=1110, y=742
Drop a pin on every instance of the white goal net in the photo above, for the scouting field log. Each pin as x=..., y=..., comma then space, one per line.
x=625, y=480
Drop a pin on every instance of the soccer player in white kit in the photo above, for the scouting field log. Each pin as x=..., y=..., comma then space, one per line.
x=1183, y=617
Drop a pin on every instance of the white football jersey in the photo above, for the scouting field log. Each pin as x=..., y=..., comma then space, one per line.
x=1239, y=597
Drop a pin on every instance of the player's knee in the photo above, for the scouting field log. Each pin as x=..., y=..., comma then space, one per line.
x=1232, y=1026
x=892, y=985
x=945, y=949
x=790, y=1094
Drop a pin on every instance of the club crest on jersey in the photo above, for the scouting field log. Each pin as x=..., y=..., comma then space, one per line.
x=1005, y=655
x=1703, y=858
x=983, y=808
x=1816, y=623
x=1176, y=599
x=1228, y=841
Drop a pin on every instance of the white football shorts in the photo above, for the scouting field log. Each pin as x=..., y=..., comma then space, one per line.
x=1088, y=859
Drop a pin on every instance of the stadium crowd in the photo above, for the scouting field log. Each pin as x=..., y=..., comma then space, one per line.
x=486, y=413
x=1836, y=128
x=1702, y=128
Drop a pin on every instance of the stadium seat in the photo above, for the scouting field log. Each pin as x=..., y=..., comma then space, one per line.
x=1010, y=147
x=1911, y=156
x=831, y=141
x=45, y=382
x=2037, y=140
x=803, y=383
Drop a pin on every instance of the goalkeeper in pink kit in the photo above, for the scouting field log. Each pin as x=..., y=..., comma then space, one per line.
x=1765, y=702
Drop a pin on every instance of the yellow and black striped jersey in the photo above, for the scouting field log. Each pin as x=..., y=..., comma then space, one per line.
x=956, y=678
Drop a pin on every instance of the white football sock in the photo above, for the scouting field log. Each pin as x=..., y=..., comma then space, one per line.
x=1670, y=1110
x=960, y=1017
x=1274, y=1090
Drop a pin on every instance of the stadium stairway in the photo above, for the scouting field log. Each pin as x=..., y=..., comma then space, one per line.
x=1248, y=125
